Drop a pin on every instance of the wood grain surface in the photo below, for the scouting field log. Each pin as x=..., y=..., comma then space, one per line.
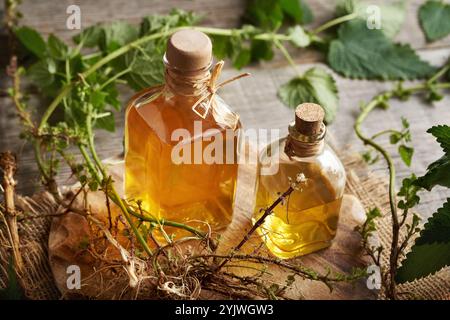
x=254, y=97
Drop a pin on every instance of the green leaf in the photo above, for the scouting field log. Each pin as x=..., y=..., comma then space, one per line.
x=299, y=11
x=117, y=34
x=97, y=99
x=438, y=173
x=266, y=14
x=406, y=154
x=391, y=15
x=271, y=14
x=261, y=50
x=13, y=291
x=56, y=48
x=359, y=52
x=146, y=64
x=176, y=18
x=106, y=122
x=431, y=251
x=442, y=135
x=317, y=86
x=437, y=229
x=299, y=37
x=434, y=18
x=42, y=74
x=242, y=58
x=90, y=37
x=395, y=137
x=32, y=41
x=408, y=192
x=405, y=123
x=240, y=48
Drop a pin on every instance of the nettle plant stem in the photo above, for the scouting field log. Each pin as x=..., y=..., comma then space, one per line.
x=381, y=100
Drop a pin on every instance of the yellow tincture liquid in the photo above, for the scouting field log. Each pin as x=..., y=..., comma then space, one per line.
x=198, y=192
x=307, y=220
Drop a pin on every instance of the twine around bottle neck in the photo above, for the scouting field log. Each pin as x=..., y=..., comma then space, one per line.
x=198, y=83
x=303, y=146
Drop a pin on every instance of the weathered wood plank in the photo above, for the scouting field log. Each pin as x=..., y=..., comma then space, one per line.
x=50, y=16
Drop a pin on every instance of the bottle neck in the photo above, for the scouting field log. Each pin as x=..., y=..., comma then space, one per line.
x=303, y=146
x=187, y=83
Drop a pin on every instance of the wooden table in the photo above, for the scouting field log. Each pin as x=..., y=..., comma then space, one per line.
x=255, y=97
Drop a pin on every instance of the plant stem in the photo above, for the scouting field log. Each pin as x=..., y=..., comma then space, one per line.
x=392, y=196
x=115, y=77
x=268, y=211
x=168, y=223
x=116, y=199
x=51, y=108
x=267, y=36
x=439, y=74
x=382, y=97
x=335, y=22
x=8, y=166
x=381, y=133
x=286, y=54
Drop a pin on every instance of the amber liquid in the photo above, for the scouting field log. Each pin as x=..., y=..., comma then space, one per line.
x=191, y=193
x=307, y=221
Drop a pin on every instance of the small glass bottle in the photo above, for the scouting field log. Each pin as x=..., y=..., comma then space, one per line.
x=307, y=220
x=167, y=133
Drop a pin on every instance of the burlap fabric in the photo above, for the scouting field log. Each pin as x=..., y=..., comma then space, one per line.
x=369, y=188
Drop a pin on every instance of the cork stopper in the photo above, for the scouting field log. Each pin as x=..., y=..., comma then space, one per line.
x=189, y=50
x=309, y=119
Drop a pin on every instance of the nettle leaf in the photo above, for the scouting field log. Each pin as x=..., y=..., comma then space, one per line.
x=299, y=37
x=297, y=10
x=266, y=14
x=146, y=66
x=42, y=74
x=57, y=49
x=32, y=41
x=240, y=48
x=442, y=135
x=431, y=251
x=106, y=122
x=408, y=192
x=117, y=34
x=316, y=85
x=406, y=154
x=438, y=173
x=359, y=52
x=271, y=14
x=434, y=18
x=176, y=18
x=261, y=50
x=90, y=36
x=391, y=15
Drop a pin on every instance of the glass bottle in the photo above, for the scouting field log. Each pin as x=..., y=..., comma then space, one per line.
x=170, y=133
x=308, y=218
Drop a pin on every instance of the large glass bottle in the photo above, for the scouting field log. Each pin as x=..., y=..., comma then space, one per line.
x=181, y=142
x=307, y=220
